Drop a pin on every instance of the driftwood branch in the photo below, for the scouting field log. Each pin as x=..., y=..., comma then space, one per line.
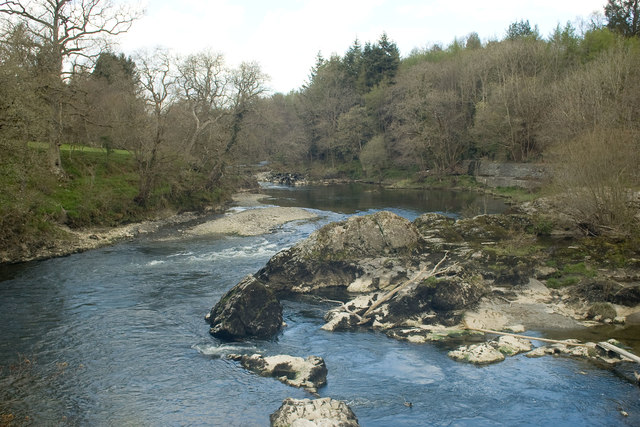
x=418, y=277
x=489, y=331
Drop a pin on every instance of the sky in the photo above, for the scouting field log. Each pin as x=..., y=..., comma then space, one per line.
x=285, y=36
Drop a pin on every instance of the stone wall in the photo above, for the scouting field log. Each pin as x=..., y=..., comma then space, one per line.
x=524, y=175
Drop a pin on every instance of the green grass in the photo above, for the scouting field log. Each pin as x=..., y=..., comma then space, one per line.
x=78, y=148
x=571, y=274
x=517, y=194
x=562, y=282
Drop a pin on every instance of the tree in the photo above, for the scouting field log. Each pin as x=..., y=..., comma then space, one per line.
x=352, y=62
x=65, y=31
x=203, y=82
x=473, y=41
x=105, y=107
x=509, y=120
x=115, y=69
x=354, y=130
x=157, y=83
x=21, y=109
x=327, y=96
x=564, y=44
x=522, y=29
x=249, y=84
x=374, y=157
x=623, y=16
x=380, y=62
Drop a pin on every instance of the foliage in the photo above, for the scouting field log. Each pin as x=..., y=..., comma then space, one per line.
x=599, y=174
x=623, y=16
x=522, y=29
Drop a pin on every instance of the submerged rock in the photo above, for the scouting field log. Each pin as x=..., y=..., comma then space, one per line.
x=309, y=373
x=324, y=412
x=249, y=309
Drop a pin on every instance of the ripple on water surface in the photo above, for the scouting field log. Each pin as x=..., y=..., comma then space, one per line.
x=117, y=336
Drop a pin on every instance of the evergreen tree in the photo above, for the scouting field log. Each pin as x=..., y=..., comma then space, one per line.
x=380, y=62
x=522, y=29
x=352, y=61
x=115, y=68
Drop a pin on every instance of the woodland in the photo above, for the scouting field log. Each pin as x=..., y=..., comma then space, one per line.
x=89, y=136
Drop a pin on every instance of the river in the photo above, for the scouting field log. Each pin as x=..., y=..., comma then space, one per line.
x=116, y=336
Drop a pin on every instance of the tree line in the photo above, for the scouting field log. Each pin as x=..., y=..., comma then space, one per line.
x=564, y=99
x=515, y=99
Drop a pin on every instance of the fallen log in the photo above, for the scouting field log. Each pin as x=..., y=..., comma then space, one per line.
x=419, y=276
x=489, y=331
x=610, y=347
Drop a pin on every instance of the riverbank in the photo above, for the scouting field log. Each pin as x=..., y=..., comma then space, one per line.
x=64, y=241
x=258, y=220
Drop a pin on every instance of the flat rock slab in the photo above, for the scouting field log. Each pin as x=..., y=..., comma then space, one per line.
x=309, y=373
x=251, y=222
x=324, y=412
x=492, y=351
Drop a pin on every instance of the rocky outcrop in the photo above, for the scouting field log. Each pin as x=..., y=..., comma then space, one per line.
x=250, y=309
x=324, y=412
x=309, y=373
x=341, y=252
x=437, y=277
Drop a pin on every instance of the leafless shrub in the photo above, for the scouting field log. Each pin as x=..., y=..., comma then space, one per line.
x=599, y=172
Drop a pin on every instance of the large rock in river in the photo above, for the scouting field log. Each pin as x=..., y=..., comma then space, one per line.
x=249, y=309
x=332, y=256
x=324, y=412
x=309, y=373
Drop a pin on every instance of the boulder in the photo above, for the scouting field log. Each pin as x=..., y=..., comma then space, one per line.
x=309, y=373
x=249, y=309
x=380, y=234
x=324, y=412
x=332, y=256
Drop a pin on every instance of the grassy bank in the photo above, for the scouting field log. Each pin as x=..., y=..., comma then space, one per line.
x=98, y=190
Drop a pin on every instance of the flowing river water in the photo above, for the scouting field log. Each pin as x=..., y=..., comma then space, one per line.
x=116, y=336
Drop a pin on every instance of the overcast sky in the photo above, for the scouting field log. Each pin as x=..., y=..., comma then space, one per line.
x=284, y=36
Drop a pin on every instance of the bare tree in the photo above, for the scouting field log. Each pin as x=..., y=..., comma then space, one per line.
x=203, y=83
x=248, y=84
x=66, y=31
x=157, y=83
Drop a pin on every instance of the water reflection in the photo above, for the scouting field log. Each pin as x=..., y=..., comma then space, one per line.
x=353, y=198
